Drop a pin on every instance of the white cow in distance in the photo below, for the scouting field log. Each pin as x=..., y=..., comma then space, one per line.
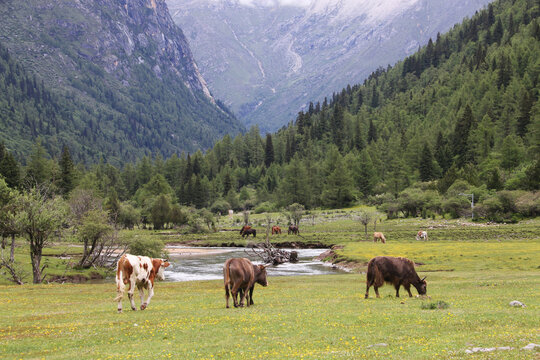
x=422, y=235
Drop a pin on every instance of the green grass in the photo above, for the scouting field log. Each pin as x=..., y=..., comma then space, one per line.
x=294, y=317
x=475, y=271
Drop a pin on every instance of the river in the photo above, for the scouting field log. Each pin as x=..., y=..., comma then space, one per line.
x=189, y=264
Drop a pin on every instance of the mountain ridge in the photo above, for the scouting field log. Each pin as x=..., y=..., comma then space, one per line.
x=307, y=52
x=126, y=65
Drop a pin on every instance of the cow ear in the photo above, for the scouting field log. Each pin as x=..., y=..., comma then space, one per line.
x=165, y=263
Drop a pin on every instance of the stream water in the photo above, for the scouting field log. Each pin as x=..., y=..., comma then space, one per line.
x=188, y=264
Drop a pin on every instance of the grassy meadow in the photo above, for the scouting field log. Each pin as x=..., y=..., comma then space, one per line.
x=473, y=270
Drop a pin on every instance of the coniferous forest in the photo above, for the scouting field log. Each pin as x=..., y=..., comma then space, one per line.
x=460, y=116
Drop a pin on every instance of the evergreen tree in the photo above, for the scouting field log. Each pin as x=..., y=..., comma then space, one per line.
x=443, y=154
x=160, y=212
x=67, y=172
x=372, y=132
x=338, y=133
x=365, y=174
x=524, y=118
x=461, y=136
x=374, y=97
x=427, y=171
x=9, y=168
x=38, y=170
x=269, y=151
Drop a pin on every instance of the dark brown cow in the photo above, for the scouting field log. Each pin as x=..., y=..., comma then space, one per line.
x=276, y=230
x=396, y=271
x=240, y=275
x=249, y=232
x=244, y=228
x=293, y=229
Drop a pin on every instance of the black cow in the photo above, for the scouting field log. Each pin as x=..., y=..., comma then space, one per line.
x=396, y=271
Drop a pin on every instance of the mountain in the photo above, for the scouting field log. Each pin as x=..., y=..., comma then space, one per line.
x=108, y=78
x=268, y=58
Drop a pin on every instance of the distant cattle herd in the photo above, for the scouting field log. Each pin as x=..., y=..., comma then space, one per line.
x=240, y=275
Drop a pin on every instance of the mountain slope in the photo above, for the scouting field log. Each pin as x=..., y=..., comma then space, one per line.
x=122, y=74
x=268, y=59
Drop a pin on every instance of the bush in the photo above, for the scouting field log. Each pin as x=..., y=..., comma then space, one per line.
x=264, y=207
x=147, y=247
x=220, y=206
x=435, y=305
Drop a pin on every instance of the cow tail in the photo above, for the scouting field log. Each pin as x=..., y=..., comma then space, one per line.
x=226, y=278
x=120, y=286
x=374, y=275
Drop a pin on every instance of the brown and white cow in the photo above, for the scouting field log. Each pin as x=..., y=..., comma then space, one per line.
x=139, y=271
x=379, y=236
x=422, y=235
x=240, y=276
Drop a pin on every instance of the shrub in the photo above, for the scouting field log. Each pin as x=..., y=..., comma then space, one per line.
x=264, y=207
x=220, y=206
x=435, y=305
x=147, y=247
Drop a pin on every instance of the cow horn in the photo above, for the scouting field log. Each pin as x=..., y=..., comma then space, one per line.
x=424, y=278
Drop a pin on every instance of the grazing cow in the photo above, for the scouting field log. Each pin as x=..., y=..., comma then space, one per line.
x=396, y=271
x=240, y=275
x=293, y=229
x=379, y=236
x=422, y=235
x=244, y=228
x=249, y=232
x=138, y=271
x=276, y=230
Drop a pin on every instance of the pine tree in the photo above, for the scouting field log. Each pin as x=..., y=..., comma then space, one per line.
x=338, y=132
x=67, y=172
x=427, y=171
x=372, y=132
x=461, y=136
x=269, y=151
x=525, y=107
x=9, y=168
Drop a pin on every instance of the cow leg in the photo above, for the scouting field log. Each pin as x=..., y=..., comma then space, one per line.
x=408, y=288
x=130, y=294
x=141, y=295
x=251, y=295
x=376, y=291
x=150, y=294
x=397, y=289
x=227, y=295
x=243, y=295
x=367, y=290
x=234, y=291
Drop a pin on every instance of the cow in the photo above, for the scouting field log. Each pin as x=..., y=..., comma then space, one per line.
x=244, y=228
x=240, y=275
x=293, y=229
x=276, y=230
x=422, y=235
x=139, y=271
x=396, y=271
x=249, y=232
x=379, y=236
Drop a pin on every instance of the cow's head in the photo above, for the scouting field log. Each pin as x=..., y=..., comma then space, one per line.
x=160, y=265
x=260, y=276
x=421, y=286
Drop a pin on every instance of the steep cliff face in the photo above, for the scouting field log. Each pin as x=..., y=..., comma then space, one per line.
x=124, y=58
